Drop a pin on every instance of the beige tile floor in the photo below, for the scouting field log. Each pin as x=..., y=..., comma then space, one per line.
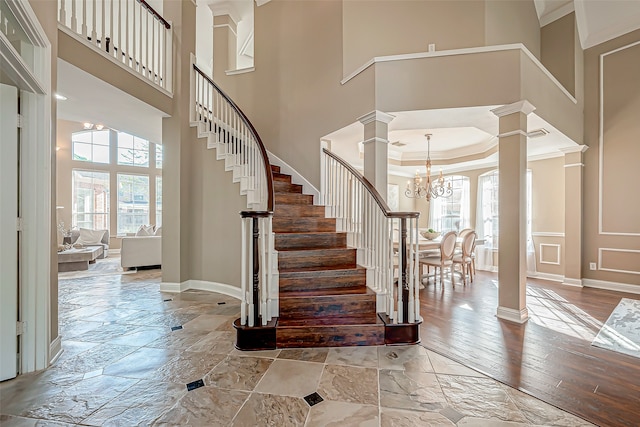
x=123, y=365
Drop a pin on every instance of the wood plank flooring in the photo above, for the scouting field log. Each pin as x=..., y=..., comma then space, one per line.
x=549, y=357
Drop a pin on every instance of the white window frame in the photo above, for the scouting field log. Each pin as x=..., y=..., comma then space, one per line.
x=438, y=205
x=74, y=211
x=119, y=231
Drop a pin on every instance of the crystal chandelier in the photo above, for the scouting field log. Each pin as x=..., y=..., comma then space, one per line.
x=431, y=189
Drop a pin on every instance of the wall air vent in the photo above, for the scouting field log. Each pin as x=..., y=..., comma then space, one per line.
x=537, y=133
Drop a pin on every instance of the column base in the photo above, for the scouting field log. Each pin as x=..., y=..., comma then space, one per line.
x=572, y=282
x=513, y=315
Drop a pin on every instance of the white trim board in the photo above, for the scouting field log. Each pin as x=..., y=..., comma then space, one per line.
x=202, y=285
x=601, y=142
x=611, y=286
x=557, y=262
x=513, y=315
x=600, y=250
x=467, y=51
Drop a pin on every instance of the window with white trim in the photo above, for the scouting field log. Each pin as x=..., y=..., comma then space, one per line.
x=90, y=199
x=132, y=151
x=133, y=202
x=91, y=146
x=451, y=213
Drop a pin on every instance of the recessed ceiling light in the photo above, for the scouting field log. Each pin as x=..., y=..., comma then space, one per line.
x=99, y=127
x=88, y=125
x=61, y=97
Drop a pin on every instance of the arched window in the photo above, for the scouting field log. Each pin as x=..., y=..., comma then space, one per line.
x=451, y=213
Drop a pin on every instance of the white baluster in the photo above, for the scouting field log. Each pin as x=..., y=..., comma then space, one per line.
x=84, y=19
x=74, y=16
x=153, y=67
x=103, y=40
x=127, y=52
x=112, y=37
x=133, y=36
x=63, y=12
x=263, y=271
x=410, y=264
x=250, y=274
x=147, y=36
x=94, y=13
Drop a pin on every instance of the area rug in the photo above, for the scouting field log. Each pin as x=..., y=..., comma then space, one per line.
x=102, y=267
x=621, y=332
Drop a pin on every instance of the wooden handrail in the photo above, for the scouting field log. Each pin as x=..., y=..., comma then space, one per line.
x=372, y=190
x=153, y=12
x=247, y=122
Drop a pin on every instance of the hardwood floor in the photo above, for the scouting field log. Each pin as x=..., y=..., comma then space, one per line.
x=549, y=357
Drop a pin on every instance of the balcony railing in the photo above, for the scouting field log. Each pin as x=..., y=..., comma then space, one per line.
x=130, y=31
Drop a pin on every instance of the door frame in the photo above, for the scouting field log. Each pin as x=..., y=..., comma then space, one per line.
x=36, y=163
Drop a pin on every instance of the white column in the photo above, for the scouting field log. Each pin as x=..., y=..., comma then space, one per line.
x=376, y=141
x=512, y=172
x=573, y=167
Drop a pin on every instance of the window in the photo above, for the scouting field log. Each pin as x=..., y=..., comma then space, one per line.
x=132, y=151
x=91, y=146
x=451, y=213
x=488, y=209
x=133, y=202
x=158, y=156
x=158, y=201
x=90, y=199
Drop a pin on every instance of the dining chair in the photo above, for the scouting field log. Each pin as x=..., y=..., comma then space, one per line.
x=445, y=259
x=465, y=258
x=461, y=236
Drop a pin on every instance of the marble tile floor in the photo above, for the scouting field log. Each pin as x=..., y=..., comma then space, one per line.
x=130, y=351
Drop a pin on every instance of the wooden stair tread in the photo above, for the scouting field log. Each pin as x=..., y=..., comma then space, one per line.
x=312, y=270
x=324, y=322
x=322, y=293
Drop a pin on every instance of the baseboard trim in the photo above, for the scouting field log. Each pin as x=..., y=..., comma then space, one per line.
x=221, y=288
x=545, y=276
x=572, y=282
x=611, y=286
x=55, y=349
x=512, y=315
x=172, y=287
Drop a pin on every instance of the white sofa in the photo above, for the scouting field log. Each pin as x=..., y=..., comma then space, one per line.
x=141, y=251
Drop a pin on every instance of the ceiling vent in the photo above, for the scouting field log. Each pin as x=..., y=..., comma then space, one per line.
x=398, y=144
x=537, y=133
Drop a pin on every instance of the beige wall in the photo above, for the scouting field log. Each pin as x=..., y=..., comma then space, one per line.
x=65, y=166
x=379, y=28
x=508, y=21
x=620, y=150
x=557, y=50
x=547, y=222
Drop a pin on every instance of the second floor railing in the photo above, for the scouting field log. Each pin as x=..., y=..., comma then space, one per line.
x=130, y=31
x=387, y=241
x=229, y=131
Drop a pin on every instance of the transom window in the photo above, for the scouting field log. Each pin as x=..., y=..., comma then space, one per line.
x=91, y=146
x=132, y=151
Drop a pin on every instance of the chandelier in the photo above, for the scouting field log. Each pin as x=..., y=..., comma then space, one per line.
x=431, y=189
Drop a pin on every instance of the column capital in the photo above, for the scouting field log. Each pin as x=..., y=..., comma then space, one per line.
x=376, y=116
x=574, y=149
x=523, y=106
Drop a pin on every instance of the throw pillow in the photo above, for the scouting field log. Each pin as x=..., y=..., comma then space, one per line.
x=158, y=231
x=145, y=230
x=90, y=237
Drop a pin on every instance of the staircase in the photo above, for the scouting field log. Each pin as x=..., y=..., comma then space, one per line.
x=324, y=298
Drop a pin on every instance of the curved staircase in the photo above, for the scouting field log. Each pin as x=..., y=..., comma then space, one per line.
x=324, y=298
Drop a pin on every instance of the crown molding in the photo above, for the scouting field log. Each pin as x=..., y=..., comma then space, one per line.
x=556, y=14
x=376, y=116
x=574, y=149
x=523, y=106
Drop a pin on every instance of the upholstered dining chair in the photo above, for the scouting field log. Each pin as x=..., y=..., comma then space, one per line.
x=465, y=258
x=445, y=259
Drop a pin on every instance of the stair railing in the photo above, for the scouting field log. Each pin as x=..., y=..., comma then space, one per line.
x=387, y=240
x=230, y=132
x=130, y=31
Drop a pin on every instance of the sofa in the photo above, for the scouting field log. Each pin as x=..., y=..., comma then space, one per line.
x=141, y=251
x=104, y=242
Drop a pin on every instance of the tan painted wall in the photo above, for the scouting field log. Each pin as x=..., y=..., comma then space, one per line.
x=620, y=173
x=508, y=21
x=379, y=28
x=557, y=50
x=65, y=166
x=548, y=199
